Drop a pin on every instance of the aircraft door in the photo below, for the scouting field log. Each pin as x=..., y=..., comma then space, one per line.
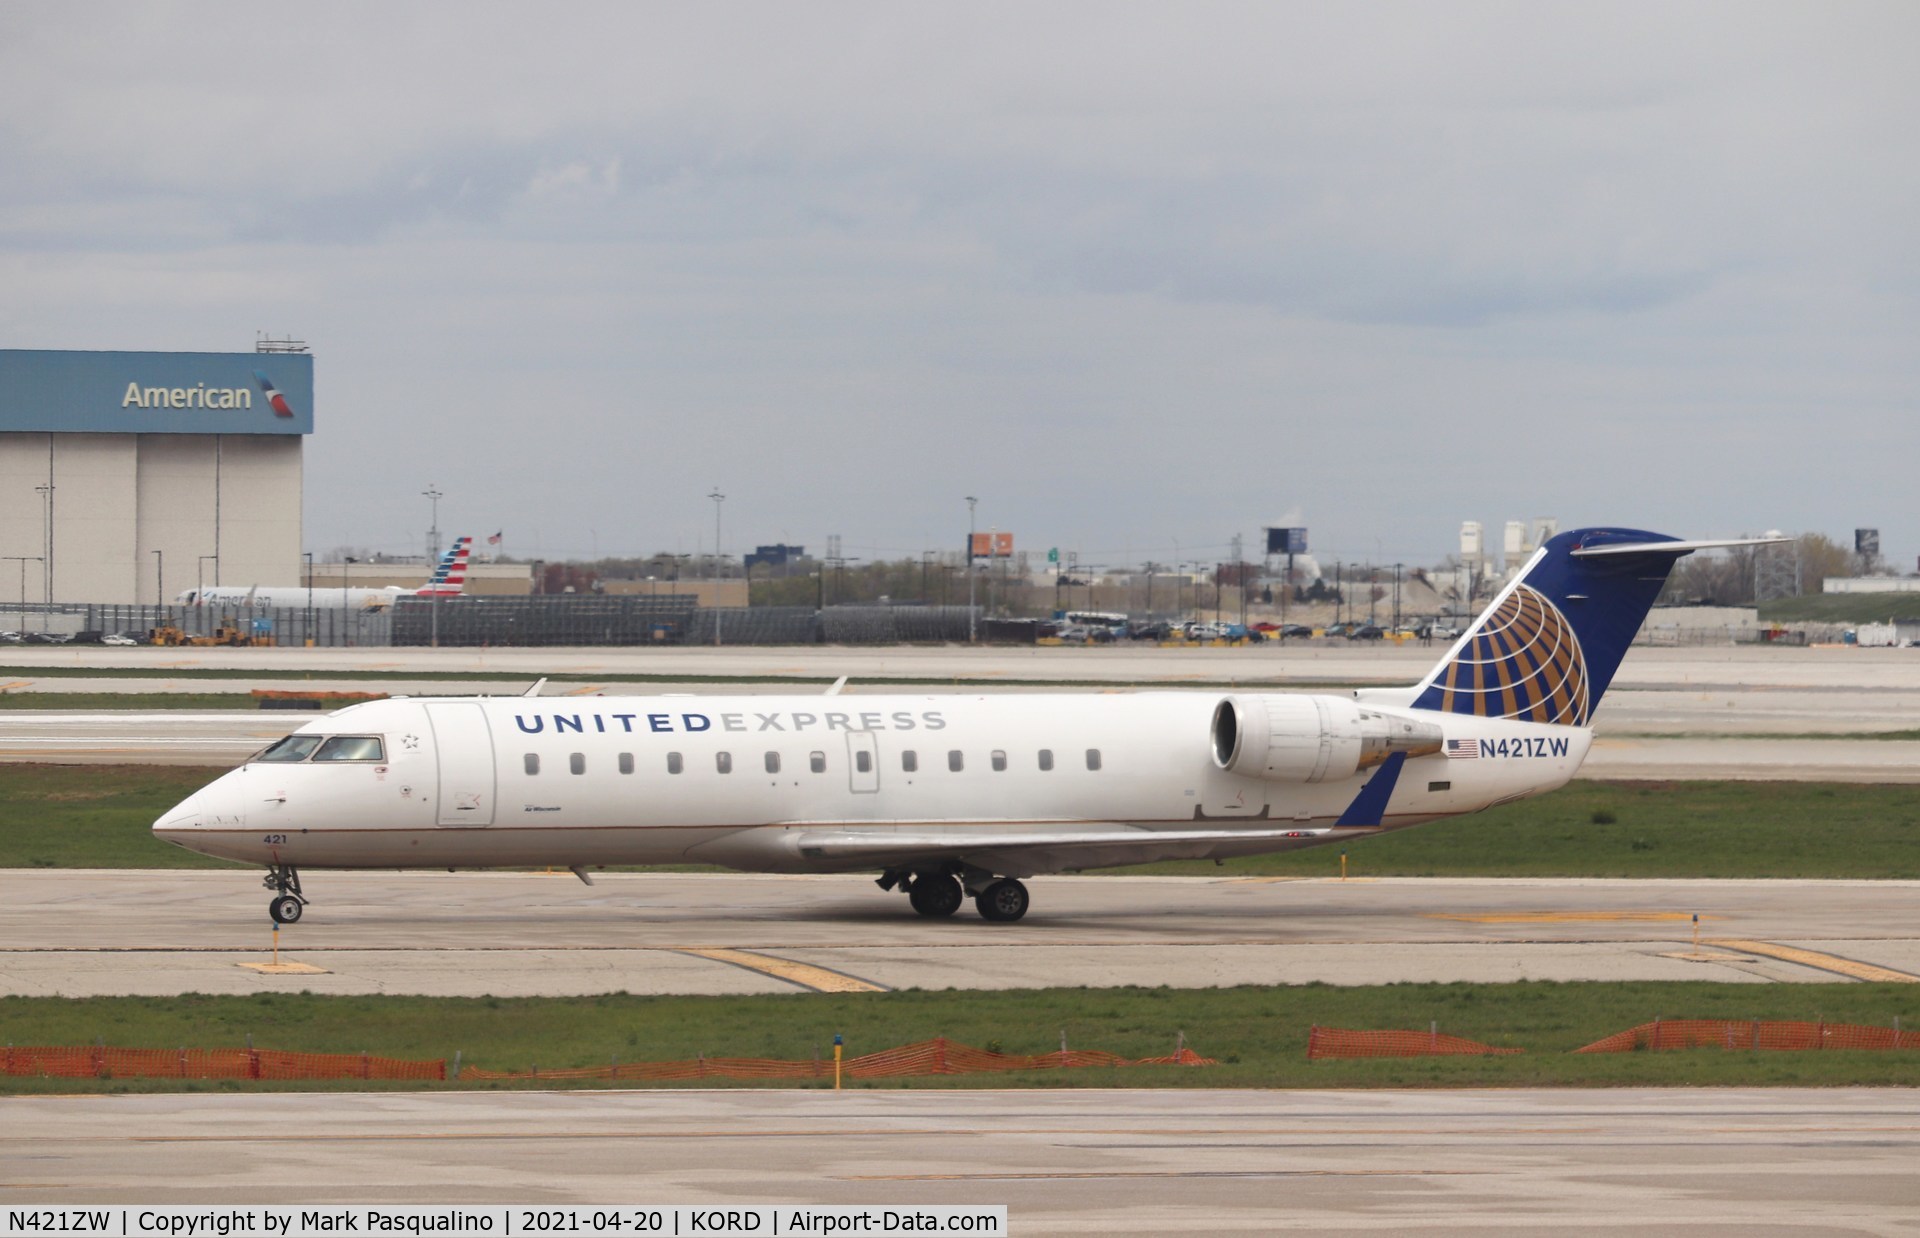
x=863, y=761
x=463, y=743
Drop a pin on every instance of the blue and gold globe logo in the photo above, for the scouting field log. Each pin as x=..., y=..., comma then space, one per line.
x=1522, y=662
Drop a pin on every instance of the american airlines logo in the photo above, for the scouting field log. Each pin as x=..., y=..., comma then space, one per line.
x=202, y=396
x=197, y=396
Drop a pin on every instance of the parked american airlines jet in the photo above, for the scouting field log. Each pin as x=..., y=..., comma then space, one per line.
x=449, y=580
x=946, y=796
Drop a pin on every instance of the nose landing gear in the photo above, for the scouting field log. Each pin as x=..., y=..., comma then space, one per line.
x=287, y=902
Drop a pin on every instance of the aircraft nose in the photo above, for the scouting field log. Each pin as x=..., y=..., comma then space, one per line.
x=177, y=825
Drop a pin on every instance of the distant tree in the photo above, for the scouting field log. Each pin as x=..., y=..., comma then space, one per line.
x=1821, y=557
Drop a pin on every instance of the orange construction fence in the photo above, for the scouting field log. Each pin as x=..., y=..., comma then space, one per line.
x=1752, y=1034
x=938, y=1056
x=101, y=1062
x=1331, y=1042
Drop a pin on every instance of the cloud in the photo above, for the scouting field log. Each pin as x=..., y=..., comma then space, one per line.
x=1136, y=273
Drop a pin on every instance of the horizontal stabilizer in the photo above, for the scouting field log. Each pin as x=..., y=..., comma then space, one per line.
x=1676, y=549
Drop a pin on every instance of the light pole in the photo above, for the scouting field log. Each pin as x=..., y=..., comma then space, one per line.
x=200, y=577
x=971, y=501
x=310, y=616
x=23, y=560
x=159, y=580
x=718, y=501
x=46, y=541
x=433, y=496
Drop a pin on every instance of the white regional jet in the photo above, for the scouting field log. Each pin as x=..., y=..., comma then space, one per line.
x=946, y=796
x=449, y=580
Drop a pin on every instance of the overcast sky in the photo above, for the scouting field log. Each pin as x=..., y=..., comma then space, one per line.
x=1132, y=275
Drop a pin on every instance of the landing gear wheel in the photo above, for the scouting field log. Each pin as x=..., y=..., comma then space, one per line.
x=287, y=902
x=935, y=895
x=1003, y=902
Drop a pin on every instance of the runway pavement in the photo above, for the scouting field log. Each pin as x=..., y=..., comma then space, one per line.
x=80, y=933
x=1716, y=1161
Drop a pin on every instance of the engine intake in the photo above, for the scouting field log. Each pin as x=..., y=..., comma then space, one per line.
x=1293, y=738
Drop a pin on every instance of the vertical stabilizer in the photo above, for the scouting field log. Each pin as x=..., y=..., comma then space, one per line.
x=1549, y=645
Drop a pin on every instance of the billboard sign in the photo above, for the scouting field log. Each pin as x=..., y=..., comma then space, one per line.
x=156, y=392
x=992, y=545
x=1866, y=543
x=1286, y=541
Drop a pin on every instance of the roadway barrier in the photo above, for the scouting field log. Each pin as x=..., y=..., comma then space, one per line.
x=938, y=1056
x=102, y=1062
x=1752, y=1034
x=1336, y=1042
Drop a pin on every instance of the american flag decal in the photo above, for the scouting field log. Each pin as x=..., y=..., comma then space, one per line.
x=1463, y=749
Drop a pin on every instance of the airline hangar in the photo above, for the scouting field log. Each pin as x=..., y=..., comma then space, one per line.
x=128, y=477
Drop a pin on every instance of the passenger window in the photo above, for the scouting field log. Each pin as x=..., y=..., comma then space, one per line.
x=955, y=761
x=352, y=748
x=674, y=763
x=999, y=761
x=863, y=761
x=292, y=748
x=723, y=761
x=626, y=762
x=817, y=762
x=773, y=762
x=1093, y=758
x=1046, y=758
x=533, y=763
x=577, y=762
x=910, y=761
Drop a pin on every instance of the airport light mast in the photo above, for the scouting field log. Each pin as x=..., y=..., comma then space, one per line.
x=433, y=496
x=970, y=527
x=719, y=501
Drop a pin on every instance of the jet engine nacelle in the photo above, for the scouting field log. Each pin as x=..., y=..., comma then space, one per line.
x=1311, y=738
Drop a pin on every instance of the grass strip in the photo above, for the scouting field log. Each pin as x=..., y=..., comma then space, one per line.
x=1258, y=1034
x=94, y=702
x=99, y=816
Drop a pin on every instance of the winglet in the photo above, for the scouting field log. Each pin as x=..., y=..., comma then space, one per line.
x=535, y=689
x=1370, y=806
x=837, y=685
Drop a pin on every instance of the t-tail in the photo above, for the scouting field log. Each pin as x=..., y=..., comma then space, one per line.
x=450, y=574
x=1548, y=647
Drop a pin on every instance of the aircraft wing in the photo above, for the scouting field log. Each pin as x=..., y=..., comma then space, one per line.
x=1023, y=853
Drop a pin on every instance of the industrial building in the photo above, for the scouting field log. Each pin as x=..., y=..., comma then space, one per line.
x=129, y=477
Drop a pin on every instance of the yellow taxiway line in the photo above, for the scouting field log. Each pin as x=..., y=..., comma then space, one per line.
x=1818, y=961
x=807, y=976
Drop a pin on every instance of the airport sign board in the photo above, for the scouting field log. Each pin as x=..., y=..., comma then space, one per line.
x=1286, y=541
x=156, y=392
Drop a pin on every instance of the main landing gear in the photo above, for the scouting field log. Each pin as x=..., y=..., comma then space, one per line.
x=938, y=894
x=287, y=902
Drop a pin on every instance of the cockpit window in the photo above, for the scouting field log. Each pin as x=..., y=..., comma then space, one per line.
x=352, y=748
x=292, y=748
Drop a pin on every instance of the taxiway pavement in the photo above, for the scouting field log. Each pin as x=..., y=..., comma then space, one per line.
x=84, y=933
x=1716, y=1161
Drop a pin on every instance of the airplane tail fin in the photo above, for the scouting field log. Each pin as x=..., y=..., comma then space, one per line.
x=450, y=574
x=1548, y=646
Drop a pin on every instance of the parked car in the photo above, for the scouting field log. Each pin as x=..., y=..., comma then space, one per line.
x=1335, y=629
x=118, y=638
x=1367, y=631
x=1295, y=630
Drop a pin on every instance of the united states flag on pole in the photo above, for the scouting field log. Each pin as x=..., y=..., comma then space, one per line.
x=1463, y=749
x=495, y=539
